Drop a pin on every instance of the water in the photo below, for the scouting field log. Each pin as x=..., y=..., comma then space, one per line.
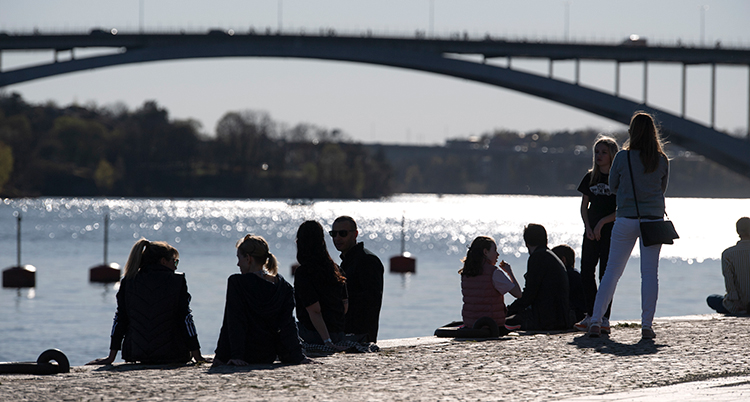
x=63, y=238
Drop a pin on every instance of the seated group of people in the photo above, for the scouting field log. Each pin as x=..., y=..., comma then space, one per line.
x=552, y=297
x=153, y=322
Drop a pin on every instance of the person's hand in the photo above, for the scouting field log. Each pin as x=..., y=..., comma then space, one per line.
x=505, y=266
x=237, y=362
x=590, y=233
x=598, y=231
x=101, y=361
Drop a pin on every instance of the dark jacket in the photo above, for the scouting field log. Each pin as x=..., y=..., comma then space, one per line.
x=364, y=280
x=258, y=324
x=153, y=323
x=313, y=285
x=546, y=291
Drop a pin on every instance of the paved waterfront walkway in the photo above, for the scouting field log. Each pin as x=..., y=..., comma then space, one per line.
x=693, y=358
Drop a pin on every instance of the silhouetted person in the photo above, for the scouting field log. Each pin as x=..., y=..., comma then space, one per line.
x=258, y=324
x=577, y=298
x=153, y=323
x=319, y=289
x=544, y=302
x=735, y=266
x=483, y=285
x=364, y=279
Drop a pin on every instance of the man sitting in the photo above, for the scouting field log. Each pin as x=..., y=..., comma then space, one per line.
x=544, y=303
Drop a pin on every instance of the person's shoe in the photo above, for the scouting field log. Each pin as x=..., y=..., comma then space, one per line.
x=595, y=331
x=512, y=327
x=648, y=333
x=583, y=325
x=605, y=326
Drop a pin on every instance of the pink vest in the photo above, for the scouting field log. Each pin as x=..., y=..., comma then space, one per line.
x=481, y=299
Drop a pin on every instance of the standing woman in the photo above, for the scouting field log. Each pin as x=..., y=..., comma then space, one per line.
x=258, y=324
x=153, y=323
x=650, y=175
x=483, y=284
x=598, y=205
x=319, y=289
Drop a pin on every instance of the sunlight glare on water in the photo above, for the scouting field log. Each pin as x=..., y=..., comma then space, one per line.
x=63, y=238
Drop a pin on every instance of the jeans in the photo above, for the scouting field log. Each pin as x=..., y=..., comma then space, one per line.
x=624, y=235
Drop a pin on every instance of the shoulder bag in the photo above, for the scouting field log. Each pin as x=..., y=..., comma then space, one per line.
x=658, y=232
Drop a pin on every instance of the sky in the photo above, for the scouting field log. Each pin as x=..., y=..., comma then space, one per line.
x=385, y=104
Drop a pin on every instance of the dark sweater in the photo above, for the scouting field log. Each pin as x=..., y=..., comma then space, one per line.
x=312, y=285
x=364, y=281
x=258, y=324
x=546, y=291
x=153, y=323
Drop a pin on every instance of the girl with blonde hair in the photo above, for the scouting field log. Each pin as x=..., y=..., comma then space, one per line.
x=153, y=323
x=598, y=205
x=258, y=325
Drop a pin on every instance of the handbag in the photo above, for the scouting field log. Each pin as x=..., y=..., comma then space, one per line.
x=657, y=232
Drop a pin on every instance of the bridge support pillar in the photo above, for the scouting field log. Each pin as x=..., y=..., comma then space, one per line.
x=713, y=95
x=684, y=90
x=617, y=78
x=645, y=82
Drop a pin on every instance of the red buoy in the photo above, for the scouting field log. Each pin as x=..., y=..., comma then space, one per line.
x=20, y=277
x=403, y=263
x=105, y=273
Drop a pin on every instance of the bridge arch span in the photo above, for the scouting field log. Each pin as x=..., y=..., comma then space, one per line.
x=729, y=151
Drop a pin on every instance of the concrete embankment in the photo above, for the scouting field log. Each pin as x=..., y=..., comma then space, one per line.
x=693, y=358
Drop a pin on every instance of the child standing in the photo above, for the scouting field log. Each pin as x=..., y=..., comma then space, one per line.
x=598, y=205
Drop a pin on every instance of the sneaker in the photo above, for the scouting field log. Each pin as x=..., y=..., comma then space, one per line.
x=605, y=325
x=595, y=331
x=648, y=333
x=583, y=325
x=512, y=327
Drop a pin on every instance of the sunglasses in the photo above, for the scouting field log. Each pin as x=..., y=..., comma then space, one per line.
x=176, y=262
x=340, y=233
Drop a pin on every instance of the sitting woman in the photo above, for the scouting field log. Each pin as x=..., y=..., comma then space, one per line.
x=258, y=323
x=483, y=285
x=153, y=323
x=319, y=289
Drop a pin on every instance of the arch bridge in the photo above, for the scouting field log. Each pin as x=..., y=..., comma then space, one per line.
x=440, y=56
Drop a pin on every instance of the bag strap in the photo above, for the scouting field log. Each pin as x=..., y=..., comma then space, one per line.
x=632, y=181
x=630, y=168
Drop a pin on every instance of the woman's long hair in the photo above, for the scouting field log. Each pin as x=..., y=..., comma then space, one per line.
x=146, y=252
x=644, y=137
x=312, y=250
x=474, y=259
x=611, y=144
x=257, y=248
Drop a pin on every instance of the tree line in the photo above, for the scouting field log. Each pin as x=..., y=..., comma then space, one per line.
x=47, y=150
x=92, y=151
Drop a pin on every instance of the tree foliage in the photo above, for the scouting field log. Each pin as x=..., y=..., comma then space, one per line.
x=91, y=151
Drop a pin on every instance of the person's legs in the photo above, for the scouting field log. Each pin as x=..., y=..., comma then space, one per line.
x=649, y=282
x=716, y=302
x=624, y=235
x=589, y=258
x=309, y=336
x=603, y=249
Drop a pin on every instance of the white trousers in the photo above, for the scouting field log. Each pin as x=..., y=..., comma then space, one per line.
x=624, y=235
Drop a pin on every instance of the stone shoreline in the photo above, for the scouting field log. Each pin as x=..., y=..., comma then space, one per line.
x=526, y=366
